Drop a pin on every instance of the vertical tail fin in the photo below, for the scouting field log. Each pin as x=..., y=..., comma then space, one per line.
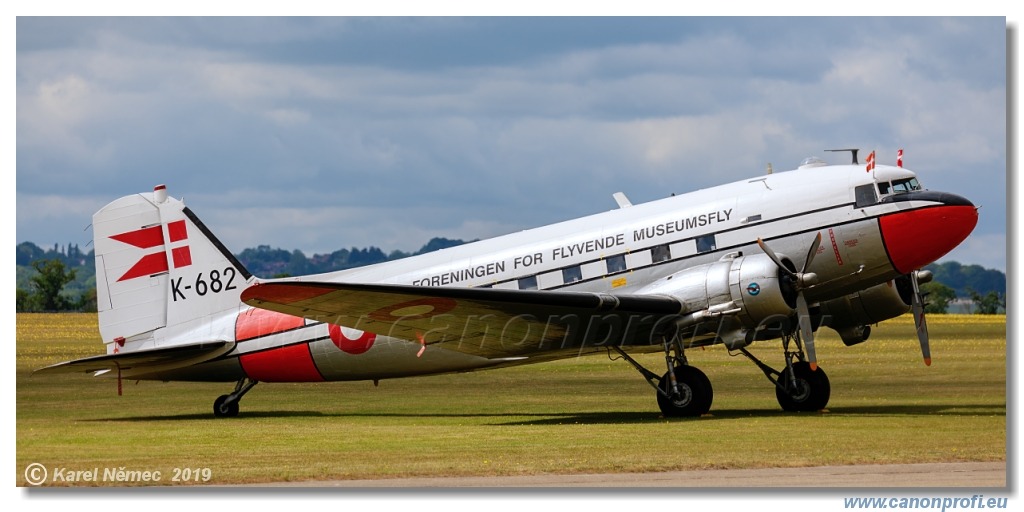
x=158, y=266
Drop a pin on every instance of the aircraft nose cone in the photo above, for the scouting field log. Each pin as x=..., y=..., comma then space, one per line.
x=915, y=238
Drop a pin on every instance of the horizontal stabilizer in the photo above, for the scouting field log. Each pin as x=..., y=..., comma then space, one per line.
x=144, y=361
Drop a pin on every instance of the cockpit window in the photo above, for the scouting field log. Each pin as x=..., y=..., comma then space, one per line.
x=900, y=186
x=905, y=185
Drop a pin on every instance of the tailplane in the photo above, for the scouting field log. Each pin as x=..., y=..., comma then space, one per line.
x=160, y=271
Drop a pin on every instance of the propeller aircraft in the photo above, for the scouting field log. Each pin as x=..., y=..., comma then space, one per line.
x=773, y=257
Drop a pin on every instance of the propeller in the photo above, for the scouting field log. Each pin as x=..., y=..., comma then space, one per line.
x=801, y=281
x=917, y=278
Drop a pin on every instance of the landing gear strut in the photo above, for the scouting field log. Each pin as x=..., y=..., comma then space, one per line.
x=226, y=406
x=798, y=388
x=683, y=391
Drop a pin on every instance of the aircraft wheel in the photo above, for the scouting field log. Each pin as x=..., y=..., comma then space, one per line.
x=224, y=409
x=695, y=393
x=812, y=389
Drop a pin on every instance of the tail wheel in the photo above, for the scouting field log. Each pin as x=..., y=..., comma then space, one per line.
x=222, y=408
x=695, y=393
x=811, y=392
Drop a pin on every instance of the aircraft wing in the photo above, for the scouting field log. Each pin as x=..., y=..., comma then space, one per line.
x=143, y=361
x=481, y=321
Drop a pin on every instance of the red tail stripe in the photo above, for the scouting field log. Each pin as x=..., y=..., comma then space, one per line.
x=142, y=238
x=293, y=363
x=149, y=264
x=254, y=323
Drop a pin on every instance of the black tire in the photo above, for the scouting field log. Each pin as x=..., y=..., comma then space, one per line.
x=223, y=409
x=812, y=389
x=695, y=389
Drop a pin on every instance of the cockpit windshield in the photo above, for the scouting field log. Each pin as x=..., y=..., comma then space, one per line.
x=905, y=185
x=898, y=186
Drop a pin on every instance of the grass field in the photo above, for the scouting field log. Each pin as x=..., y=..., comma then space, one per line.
x=582, y=415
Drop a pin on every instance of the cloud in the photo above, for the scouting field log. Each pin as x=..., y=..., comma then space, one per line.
x=406, y=126
x=987, y=250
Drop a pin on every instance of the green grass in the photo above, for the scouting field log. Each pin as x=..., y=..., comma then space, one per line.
x=581, y=415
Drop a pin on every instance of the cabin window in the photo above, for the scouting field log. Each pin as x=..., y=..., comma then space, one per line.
x=528, y=283
x=865, y=196
x=706, y=243
x=572, y=274
x=660, y=253
x=883, y=188
x=616, y=263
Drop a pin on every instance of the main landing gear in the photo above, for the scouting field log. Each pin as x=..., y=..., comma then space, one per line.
x=684, y=390
x=226, y=406
x=798, y=388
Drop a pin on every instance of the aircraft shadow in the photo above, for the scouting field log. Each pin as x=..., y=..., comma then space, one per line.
x=611, y=417
x=209, y=416
x=733, y=414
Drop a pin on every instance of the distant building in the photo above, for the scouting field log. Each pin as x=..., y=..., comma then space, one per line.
x=960, y=306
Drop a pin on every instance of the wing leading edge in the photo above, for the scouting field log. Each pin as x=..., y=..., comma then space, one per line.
x=480, y=321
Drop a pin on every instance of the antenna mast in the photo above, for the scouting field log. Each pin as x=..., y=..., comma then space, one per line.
x=853, y=153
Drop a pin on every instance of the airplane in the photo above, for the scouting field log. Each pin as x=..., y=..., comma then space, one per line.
x=773, y=257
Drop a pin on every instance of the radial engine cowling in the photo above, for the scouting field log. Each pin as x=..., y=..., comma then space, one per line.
x=752, y=284
x=851, y=315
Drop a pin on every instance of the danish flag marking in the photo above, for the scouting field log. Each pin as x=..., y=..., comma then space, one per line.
x=153, y=236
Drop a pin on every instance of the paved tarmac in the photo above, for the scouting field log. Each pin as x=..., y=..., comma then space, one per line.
x=971, y=475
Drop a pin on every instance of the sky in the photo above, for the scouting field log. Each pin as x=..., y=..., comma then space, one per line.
x=325, y=133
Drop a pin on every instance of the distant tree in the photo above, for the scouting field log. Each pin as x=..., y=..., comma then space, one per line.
x=87, y=301
x=28, y=252
x=297, y=264
x=938, y=297
x=25, y=302
x=964, y=277
x=50, y=278
x=397, y=255
x=368, y=256
x=988, y=304
x=438, y=243
x=265, y=261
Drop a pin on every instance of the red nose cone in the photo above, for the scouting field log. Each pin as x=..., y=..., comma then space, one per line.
x=918, y=237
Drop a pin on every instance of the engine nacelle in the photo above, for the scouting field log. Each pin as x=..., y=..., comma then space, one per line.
x=753, y=284
x=850, y=315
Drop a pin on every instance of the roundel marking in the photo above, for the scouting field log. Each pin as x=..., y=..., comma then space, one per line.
x=354, y=346
x=753, y=289
x=417, y=309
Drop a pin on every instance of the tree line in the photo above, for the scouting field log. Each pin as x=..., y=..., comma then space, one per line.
x=63, y=278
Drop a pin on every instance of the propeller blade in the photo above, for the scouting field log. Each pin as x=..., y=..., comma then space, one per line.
x=803, y=280
x=806, y=331
x=919, y=320
x=811, y=253
x=771, y=254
